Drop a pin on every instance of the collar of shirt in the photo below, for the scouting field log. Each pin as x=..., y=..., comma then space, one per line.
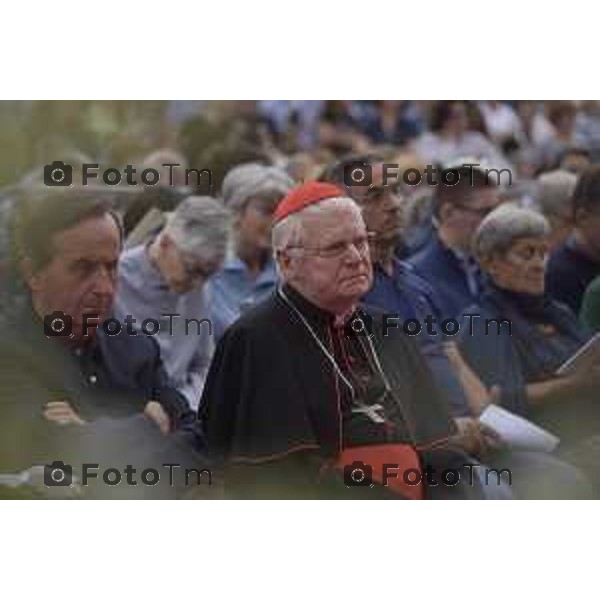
x=147, y=273
x=234, y=264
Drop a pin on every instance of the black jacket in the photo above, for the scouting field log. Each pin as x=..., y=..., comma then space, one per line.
x=114, y=377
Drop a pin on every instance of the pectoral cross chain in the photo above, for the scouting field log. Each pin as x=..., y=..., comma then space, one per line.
x=374, y=412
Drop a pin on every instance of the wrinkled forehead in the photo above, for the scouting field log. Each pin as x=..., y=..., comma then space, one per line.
x=96, y=237
x=333, y=222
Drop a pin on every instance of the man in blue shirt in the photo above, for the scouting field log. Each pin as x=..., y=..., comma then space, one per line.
x=397, y=289
x=446, y=261
x=165, y=281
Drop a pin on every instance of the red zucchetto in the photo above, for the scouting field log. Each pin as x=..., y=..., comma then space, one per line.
x=304, y=195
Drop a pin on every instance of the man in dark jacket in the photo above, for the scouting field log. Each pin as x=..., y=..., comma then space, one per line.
x=61, y=381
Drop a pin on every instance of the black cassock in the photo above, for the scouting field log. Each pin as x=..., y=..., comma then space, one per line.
x=278, y=411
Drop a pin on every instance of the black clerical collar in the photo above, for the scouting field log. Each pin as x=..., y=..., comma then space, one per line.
x=307, y=308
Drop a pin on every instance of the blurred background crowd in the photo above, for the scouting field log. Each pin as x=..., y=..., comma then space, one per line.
x=455, y=250
x=303, y=135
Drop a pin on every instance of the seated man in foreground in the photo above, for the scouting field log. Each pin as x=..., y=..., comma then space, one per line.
x=62, y=383
x=299, y=392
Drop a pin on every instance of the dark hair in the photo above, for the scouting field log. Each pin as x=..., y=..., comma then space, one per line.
x=442, y=110
x=456, y=193
x=165, y=199
x=576, y=150
x=557, y=109
x=586, y=196
x=38, y=217
x=334, y=173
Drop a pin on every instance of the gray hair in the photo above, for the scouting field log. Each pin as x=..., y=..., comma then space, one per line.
x=159, y=157
x=252, y=179
x=199, y=227
x=289, y=231
x=554, y=192
x=503, y=226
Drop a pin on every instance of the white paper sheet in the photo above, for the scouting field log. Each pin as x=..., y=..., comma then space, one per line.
x=517, y=432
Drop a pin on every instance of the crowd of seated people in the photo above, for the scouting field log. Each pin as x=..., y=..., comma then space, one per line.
x=250, y=294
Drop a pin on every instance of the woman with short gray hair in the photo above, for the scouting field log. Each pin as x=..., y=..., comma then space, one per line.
x=520, y=336
x=164, y=280
x=508, y=223
x=251, y=192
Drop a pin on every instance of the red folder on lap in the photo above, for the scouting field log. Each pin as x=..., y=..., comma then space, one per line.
x=402, y=473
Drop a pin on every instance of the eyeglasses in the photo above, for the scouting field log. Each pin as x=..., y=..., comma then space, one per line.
x=195, y=270
x=339, y=249
x=479, y=212
x=529, y=253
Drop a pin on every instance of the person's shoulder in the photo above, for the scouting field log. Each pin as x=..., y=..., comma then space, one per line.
x=560, y=262
x=138, y=348
x=594, y=287
x=422, y=257
x=432, y=258
x=131, y=258
x=411, y=276
x=260, y=320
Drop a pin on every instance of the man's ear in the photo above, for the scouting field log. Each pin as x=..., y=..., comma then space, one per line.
x=284, y=262
x=446, y=210
x=164, y=241
x=29, y=274
x=488, y=264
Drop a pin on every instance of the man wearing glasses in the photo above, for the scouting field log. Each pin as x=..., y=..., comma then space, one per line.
x=446, y=262
x=164, y=281
x=307, y=386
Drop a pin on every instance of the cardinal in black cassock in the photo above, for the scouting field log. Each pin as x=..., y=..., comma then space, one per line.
x=302, y=403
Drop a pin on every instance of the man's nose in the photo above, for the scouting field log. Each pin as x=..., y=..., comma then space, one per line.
x=105, y=281
x=540, y=263
x=354, y=254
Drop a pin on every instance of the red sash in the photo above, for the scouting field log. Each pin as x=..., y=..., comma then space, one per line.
x=403, y=458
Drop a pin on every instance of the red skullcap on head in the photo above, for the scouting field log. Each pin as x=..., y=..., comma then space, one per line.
x=304, y=195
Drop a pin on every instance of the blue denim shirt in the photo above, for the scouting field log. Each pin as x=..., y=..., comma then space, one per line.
x=409, y=296
x=457, y=280
x=232, y=291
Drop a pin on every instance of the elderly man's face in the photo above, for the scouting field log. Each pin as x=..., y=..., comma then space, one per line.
x=523, y=267
x=81, y=277
x=331, y=267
